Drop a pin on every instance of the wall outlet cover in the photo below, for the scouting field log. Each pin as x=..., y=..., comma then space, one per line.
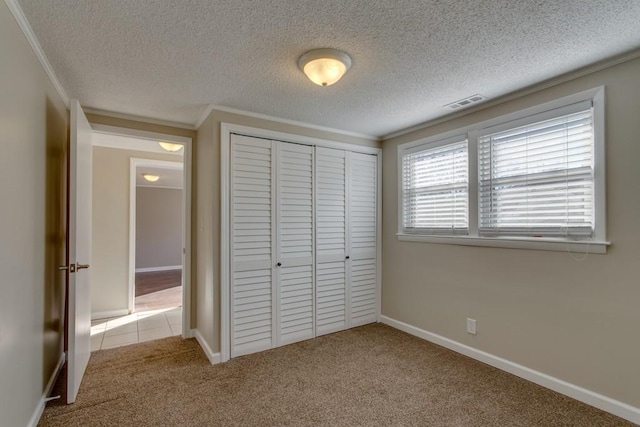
x=471, y=326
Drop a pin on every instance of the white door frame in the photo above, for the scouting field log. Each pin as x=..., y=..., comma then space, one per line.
x=226, y=129
x=186, y=166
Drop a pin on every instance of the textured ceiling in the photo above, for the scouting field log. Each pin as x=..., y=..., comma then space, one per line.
x=170, y=59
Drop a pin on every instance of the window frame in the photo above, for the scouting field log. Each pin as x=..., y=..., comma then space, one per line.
x=597, y=244
x=423, y=147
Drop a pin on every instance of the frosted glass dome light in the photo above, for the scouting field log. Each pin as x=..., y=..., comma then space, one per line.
x=170, y=146
x=150, y=178
x=324, y=67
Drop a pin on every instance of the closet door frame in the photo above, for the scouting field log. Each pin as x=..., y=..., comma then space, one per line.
x=226, y=130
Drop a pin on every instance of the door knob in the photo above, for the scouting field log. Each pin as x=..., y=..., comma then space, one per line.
x=81, y=266
x=347, y=257
x=279, y=264
x=70, y=267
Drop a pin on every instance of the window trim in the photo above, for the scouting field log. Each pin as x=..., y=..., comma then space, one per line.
x=414, y=149
x=598, y=244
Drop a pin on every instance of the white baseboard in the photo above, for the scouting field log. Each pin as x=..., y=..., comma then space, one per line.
x=107, y=314
x=35, y=418
x=165, y=268
x=214, y=358
x=589, y=397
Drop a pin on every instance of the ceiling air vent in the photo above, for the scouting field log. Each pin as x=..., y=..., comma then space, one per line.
x=465, y=102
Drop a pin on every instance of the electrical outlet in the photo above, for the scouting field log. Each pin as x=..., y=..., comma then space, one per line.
x=471, y=326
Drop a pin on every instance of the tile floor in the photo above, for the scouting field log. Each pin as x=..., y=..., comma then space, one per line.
x=165, y=298
x=136, y=328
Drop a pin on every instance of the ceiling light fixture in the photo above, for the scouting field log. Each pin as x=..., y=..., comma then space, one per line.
x=324, y=67
x=150, y=178
x=171, y=147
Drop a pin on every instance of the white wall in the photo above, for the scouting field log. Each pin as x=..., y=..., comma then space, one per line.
x=33, y=135
x=571, y=316
x=110, y=237
x=158, y=227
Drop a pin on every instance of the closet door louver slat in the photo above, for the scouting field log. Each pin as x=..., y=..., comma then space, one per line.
x=363, y=238
x=295, y=242
x=331, y=242
x=251, y=246
x=303, y=242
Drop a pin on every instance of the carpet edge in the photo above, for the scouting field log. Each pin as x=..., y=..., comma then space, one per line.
x=607, y=404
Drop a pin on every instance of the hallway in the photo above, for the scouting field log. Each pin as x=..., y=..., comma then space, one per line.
x=158, y=290
x=136, y=328
x=158, y=313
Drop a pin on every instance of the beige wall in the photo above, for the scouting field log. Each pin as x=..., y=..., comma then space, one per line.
x=571, y=316
x=207, y=195
x=110, y=237
x=34, y=124
x=207, y=159
x=158, y=227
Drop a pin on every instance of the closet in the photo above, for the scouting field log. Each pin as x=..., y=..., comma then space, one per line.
x=303, y=242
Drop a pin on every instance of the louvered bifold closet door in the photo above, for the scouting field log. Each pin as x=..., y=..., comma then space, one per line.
x=295, y=311
x=331, y=242
x=252, y=245
x=363, y=296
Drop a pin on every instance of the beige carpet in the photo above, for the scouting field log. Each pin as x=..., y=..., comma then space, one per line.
x=369, y=376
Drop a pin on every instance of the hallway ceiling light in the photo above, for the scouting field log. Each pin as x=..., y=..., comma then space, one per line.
x=170, y=146
x=324, y=67
x=150, y=178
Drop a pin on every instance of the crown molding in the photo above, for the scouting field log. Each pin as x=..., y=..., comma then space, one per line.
x=133, y=117
x=291, y=122
x=24, y=25
x=537, y=87
x=203, y=116
x=122, y=142
x=210, y=108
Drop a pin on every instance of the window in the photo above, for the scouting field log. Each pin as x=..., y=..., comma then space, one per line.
x=537, y=180
x=532, y=179
x=435, y=190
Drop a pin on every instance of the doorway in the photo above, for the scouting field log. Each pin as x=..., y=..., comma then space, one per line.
x=152, y=244
x=156, y=223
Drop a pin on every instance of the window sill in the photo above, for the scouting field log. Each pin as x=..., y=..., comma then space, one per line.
x=540, y=244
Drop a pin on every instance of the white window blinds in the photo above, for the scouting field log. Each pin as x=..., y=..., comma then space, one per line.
x=537, y=180
x=435, y=190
